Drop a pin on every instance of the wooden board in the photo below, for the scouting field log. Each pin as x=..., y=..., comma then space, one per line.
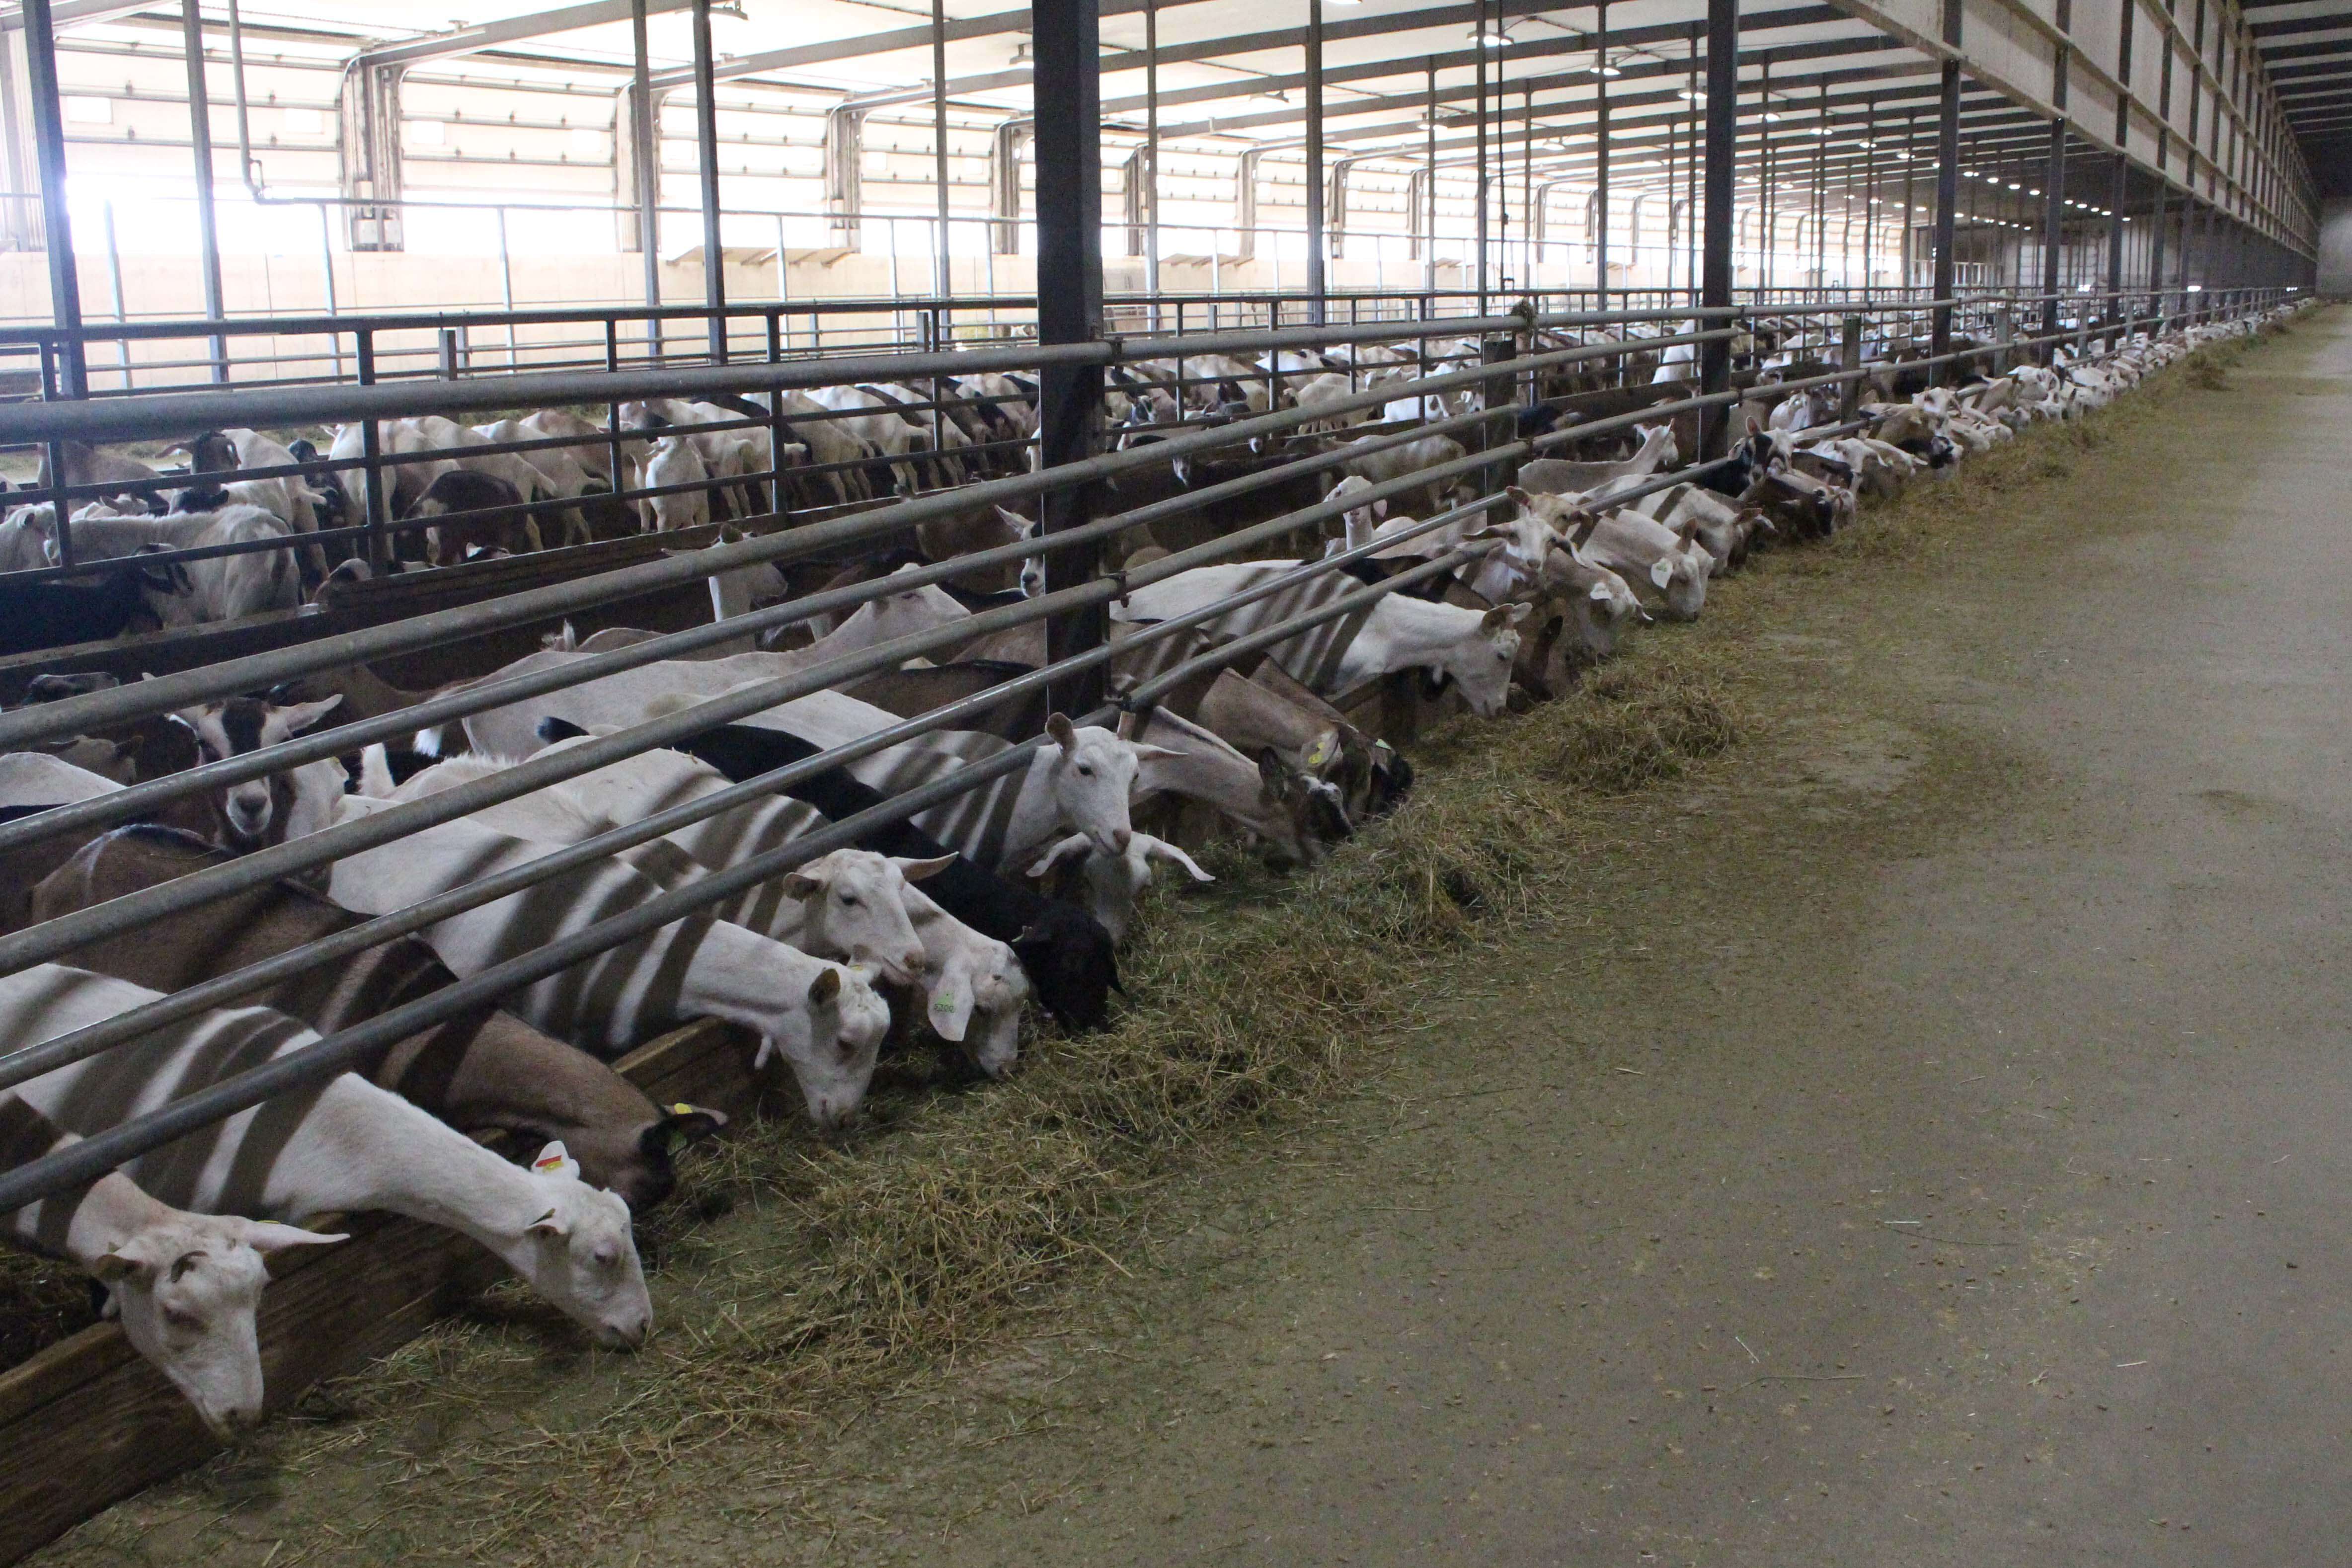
x=85, y=1423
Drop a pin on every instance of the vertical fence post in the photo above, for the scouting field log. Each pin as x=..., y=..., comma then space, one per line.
x=1722, y=149
x=1849, y=361
x=612, y=413
x=379, y=546
x=1495, y=392
x=1068, y=95
x=776, y=436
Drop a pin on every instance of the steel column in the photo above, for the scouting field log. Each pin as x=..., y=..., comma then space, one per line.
x=942, y=281
x=1069, y=96
x=1947, y=189
x=1314, y=90
x=1600, y=158
x=199, y=135
x=646, y=145
x=1821, y=191
x=1151, y=157
x=57, y=226
x=1479, y=41
x=1428, y=188
x=2054, y=217
x=705, y=140
x=1722, y=151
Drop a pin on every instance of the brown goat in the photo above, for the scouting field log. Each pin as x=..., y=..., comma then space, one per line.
x=480, y=1072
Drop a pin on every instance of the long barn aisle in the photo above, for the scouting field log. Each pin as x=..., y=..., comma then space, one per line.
x=1928, y=1148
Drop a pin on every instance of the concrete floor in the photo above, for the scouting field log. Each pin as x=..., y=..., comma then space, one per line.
x=1956, y=1181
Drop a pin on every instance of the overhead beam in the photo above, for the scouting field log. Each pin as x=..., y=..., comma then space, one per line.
x=513, y=30
x=994, y=24
x=1415, y=22
x=72, y=12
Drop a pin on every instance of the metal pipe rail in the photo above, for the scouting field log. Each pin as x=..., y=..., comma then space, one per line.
x=53, y=1173
x=260, y=671
x=337, y=1053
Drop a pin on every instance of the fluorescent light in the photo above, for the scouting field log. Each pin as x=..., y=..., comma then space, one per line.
x=1492, y=40
x=1696, y=96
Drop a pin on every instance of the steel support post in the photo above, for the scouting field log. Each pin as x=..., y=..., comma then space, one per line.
x=1948, y=191
x=1722, y=150
x=1314, y=90
x=2053, y=221
x=1151, y=157
x=1429, y=189
x=2156, y=241
x=1849, y=361
x=1068, y=95
x=2118, y=183
x=1496, y=392
x=1601, y=159
x=646, y=147
x=705, y=140
x=942, y=281
x=57, y=226
x=200, y=137
x=1480, y=52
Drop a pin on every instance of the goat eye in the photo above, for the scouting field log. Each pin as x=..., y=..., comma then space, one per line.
x=849, y=902
x=1085, y=771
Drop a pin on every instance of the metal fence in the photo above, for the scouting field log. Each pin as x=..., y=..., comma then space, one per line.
x=1510, y=353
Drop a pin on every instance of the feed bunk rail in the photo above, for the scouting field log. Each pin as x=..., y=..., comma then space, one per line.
x=55, y=1172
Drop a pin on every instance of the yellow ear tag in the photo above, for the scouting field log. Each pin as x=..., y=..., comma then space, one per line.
x=681, y=1109
x=1320, y=753
x=943, y=1005
x=550, y=1163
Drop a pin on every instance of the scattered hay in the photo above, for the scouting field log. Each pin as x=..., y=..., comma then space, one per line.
x=1638, y=733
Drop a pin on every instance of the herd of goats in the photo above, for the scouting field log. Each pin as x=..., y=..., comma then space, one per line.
x=949, y=924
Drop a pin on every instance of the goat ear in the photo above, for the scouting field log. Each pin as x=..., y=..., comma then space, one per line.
x=1126, y=730
x=826, y=986
x=800, y=885
x=1161, y=849
x=684, y=1124
x=1064, y=734
x=555, y=1160
x=949, y=1013
x=1271, y=772
x=1144, y=753
x=113, y=1269
x=549, y=1225
x=1495, y=619
x=922, y=871
x=302, y=715
x=1520, y=496
x=1076, y=844
x=267, y=1235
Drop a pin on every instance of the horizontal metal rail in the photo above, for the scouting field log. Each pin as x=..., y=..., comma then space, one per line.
x=335, y=1054
x=103, y=709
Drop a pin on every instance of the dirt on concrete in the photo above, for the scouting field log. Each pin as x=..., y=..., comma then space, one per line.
x=1908, y=1137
